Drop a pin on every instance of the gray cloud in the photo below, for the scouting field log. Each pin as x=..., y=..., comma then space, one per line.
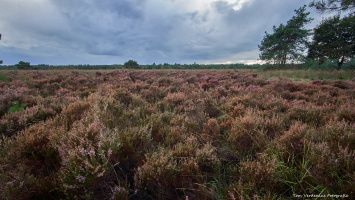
x=108, y=32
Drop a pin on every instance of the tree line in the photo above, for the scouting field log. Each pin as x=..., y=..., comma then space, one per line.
x=27, y=66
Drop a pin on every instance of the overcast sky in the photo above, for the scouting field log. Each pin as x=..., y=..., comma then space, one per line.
x=147, y=31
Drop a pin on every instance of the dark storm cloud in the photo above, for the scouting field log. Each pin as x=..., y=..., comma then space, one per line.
x=110, y=31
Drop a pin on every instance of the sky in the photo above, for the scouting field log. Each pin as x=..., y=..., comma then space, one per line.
x=61, y=32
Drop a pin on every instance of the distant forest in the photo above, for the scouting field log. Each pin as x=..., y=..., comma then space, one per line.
x=311, y=64
x=144, y=67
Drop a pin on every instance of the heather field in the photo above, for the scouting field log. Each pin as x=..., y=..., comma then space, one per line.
x=134, y=134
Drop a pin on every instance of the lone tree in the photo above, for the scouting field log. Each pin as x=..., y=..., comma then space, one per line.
x=131, y=64
x=23, y=65
x=334, y=38
x=333, y=5
x=288, y=41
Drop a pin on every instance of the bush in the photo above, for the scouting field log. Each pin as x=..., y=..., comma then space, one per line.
x=23, y=65
x=131, y=64
x=247, y=136
x=311, y=64
x=16, y=107
x=350, y=65
x=329, y=65
x=34, y=161
x=259, y=173
x=85, y=153
x=17, y=121
x=175, y=173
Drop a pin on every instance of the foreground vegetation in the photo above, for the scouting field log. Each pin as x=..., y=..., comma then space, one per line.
x=128, y=134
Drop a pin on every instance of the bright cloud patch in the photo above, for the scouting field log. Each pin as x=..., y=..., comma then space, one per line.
x=238, y=4
x=203, y=5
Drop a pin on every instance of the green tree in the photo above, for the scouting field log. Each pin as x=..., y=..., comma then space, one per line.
x=334, y=38
x=131, y=64
x=288, y=41
x=333, y=5
x=23, y=65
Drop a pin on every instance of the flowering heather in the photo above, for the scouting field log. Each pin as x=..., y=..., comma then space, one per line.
x=129, y=134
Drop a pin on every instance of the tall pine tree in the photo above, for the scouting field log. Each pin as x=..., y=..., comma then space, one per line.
x=288, y=41
x=333, y=5
x=334, y=38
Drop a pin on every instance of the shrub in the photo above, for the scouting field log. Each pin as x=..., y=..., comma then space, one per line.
x=85, y=153
x=14, y=93
x=329, y=65
x=158, y=175
x=292, y=142
x=131, y=64
x=23, y=65
x=30, y=166
x=12, y=123
x=171, y=173
x=335, y=134
x=312, y=115
x=16, y=107
x=72, y=113
x=123, y=96
x=211, y=130
x=259, y=173
x=246, y=136
x=164, y=82
x=339, y=162
x=174, y=99
x=350, y=65
x=346, y=112
x=160, y=126
x=210, y=108
x=311, y=64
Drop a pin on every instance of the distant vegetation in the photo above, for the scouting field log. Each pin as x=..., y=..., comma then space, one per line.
x=131, y=64
x=144, y=67
x=23, y=65
x=331, y=64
